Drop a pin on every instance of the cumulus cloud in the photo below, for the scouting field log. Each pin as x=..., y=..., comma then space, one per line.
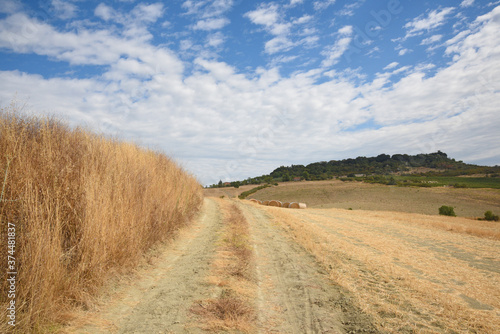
x=10, y=6
x=323, y=4
x=271, y=17
x=333, y=53
x=391, y=65
x=432, y=20
x=211, y=24
x=466, y=3
x=431, y=40
x=64, y=9
x=224, y=124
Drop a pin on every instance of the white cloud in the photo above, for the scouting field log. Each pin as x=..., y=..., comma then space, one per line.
x=211, y=24
x=404, y=51
x=467, y=3
x=391, y=65
x=333, y=53
x=266, y=15
x=64, y=9
x=324, y=4
x=434, y=19
x=278, y=44
x=104, y=12
x=148, y=13
x=271, y=17
x=432, y=39
x=215, y=40
x=10, y=6
x=222, y=124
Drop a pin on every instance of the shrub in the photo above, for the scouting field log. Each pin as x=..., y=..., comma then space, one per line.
x=447, y=211
x=488, y=215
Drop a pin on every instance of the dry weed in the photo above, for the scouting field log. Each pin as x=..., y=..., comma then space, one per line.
x=85, y=207
x=232, y=271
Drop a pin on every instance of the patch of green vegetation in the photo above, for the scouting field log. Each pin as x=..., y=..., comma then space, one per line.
x=488, y=215
x=245, y=194
x=447, y=211
x=454, y=181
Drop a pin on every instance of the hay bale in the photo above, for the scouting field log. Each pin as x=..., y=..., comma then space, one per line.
x=295, y=205
x=286, y=205
x=255, y=200
x=275, y=203
x=265, y=203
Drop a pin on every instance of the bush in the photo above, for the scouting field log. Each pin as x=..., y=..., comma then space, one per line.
x=447, y=211
x=488, y=215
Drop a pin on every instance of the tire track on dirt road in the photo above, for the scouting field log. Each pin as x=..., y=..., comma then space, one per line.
x=159, y=301
x=295, y=295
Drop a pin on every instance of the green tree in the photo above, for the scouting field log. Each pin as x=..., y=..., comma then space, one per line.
x=488, y=215
x=447, y=211
x=286, y=177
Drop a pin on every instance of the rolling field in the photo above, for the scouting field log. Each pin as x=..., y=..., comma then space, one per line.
x=406, y=271
x=363, y=196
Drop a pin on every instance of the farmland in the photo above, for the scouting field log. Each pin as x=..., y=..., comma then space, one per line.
x=325, y=269
x=468, y=202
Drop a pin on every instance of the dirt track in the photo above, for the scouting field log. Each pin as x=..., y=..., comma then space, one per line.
x=159, y=301
x=294, y=294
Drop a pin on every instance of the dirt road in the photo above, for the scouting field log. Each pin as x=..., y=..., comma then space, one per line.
x=294, y=295
x=159, y=301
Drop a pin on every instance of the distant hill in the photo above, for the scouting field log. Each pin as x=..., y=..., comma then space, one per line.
x=432, y=164
x=383, y=164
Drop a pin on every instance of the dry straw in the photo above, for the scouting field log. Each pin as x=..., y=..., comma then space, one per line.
x=275, y=203
x=84, y=207
x=295, y=205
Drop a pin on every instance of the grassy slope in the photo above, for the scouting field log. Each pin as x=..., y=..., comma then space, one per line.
x=355, y=195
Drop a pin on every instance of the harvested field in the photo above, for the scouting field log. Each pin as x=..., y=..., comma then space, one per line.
x=407, y=271
x=363, y=196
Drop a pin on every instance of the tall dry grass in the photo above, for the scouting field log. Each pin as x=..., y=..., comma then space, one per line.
x=85, y=208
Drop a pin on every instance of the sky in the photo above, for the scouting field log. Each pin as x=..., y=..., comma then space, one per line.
x=232, y=89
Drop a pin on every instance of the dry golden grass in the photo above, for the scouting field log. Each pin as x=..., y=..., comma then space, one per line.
x=410, y=276
x=85, y=207
x=364, y=196
x=232, y=274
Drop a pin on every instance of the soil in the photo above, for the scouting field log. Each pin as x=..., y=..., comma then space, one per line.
x=159, y=300
x=294, y=293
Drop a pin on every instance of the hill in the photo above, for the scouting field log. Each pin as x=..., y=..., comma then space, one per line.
x=430, y=165
x=383, y=164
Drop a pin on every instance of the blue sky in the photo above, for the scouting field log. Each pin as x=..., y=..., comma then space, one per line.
x=233, y=89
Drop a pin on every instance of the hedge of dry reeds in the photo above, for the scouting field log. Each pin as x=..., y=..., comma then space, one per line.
x=85, y=207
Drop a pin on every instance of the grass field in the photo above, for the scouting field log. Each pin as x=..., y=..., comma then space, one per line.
x=468, y=202
x=469, y=182
x=407, y=271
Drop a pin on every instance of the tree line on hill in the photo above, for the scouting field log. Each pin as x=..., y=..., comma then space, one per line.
x=382, y=164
